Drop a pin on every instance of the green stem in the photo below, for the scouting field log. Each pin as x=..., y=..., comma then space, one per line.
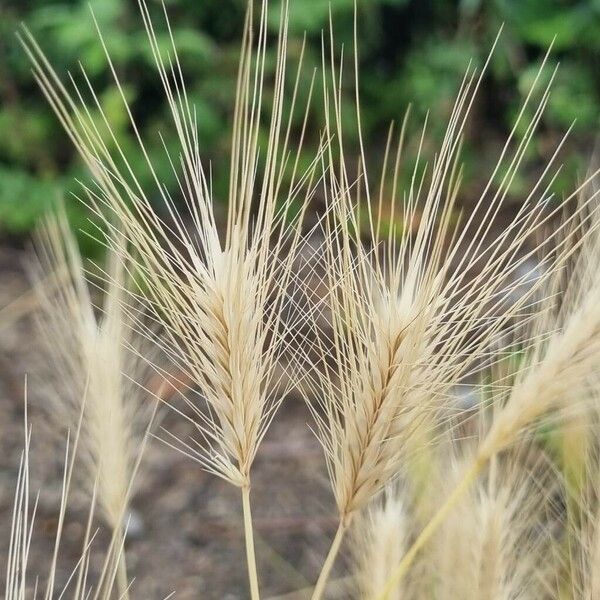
x=329, y=561
x=249, y=537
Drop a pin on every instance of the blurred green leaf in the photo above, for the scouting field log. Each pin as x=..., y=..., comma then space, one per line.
x=23, y=199
x=409, y=53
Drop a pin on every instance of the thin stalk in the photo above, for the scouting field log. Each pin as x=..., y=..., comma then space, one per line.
x=249, y=537
x=115, y=568
x=330, y=560
x=438, y=518
x=122, y=583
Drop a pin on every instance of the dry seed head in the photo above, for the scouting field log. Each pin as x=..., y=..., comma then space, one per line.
x=562, y=360
x=379, y=539
x=491, y=544
x=412, y=317
x=94, y=354
x=219, y=301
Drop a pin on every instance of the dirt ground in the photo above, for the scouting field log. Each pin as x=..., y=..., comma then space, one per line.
x=185, y=532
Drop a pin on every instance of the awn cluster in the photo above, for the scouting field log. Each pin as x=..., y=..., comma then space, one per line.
x=433, y=501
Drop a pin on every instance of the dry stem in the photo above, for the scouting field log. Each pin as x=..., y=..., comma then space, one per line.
x=330, y=560
x=249, y=538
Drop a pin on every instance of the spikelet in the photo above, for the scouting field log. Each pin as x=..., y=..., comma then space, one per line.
x=219, y=301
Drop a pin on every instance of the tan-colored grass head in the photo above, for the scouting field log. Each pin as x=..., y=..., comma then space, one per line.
x=561, y=360
x=406, y=312
x=558, y=364
x=99, y=377
x=94, y=354
x=499, y=541
x=379, y=539
x=414, y=313
x=219, y=298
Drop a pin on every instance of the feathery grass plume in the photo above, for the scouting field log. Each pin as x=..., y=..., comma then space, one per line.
x=584, y=530
x=379, y=539
x=221, y=302
x=95, y=355
x=498, y=541
x=412, y=316
x=559, y=365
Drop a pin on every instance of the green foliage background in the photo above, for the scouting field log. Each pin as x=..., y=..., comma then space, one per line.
x=411, y=51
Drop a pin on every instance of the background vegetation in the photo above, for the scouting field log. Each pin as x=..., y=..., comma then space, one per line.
x=410, y=52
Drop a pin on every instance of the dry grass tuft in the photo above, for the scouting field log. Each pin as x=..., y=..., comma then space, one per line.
x=95, y=355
